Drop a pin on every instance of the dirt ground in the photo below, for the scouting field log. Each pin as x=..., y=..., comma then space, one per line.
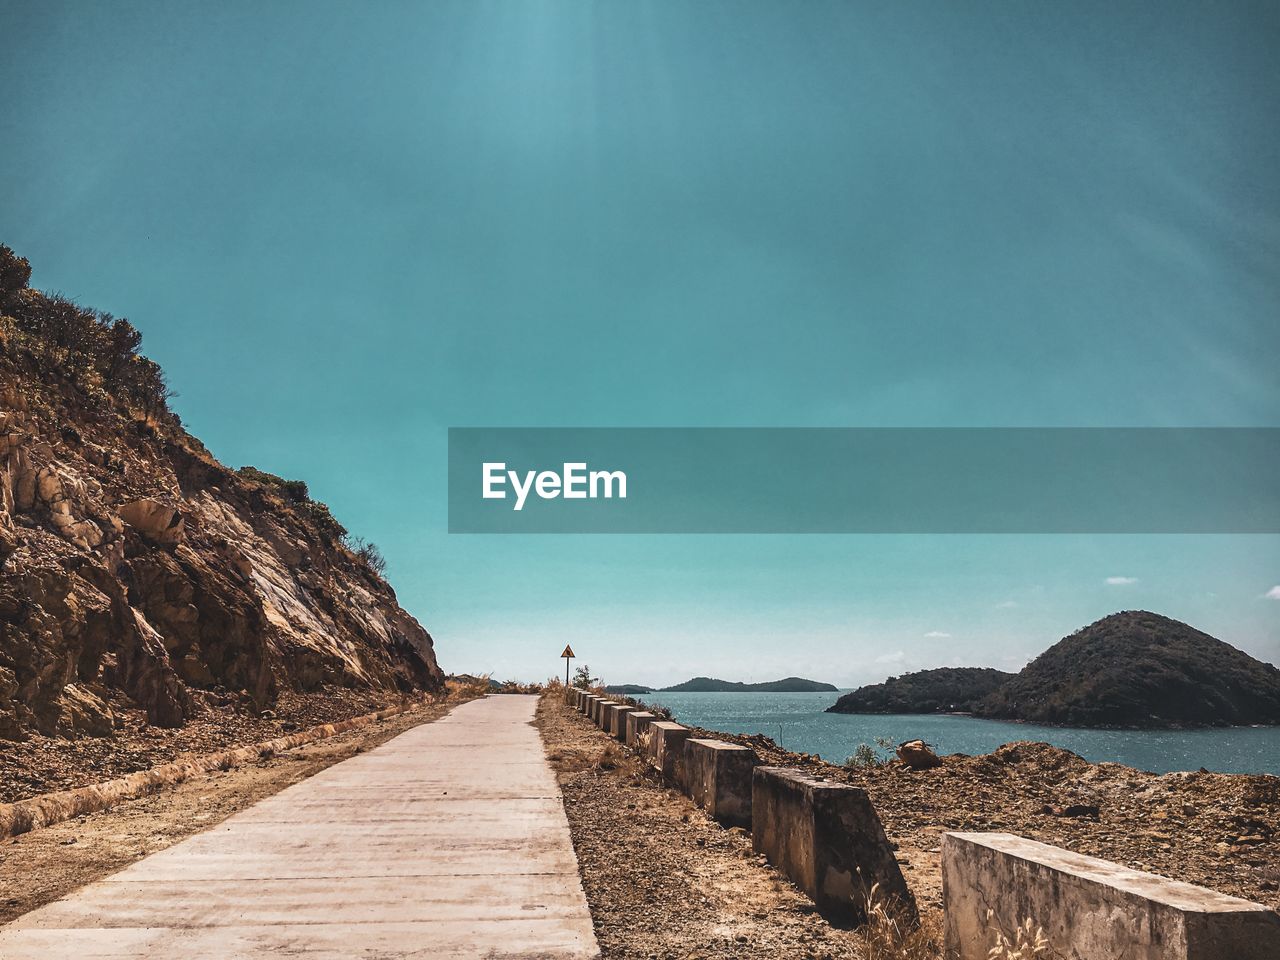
x=1215, y=830
x=45, y=764
x=38, y=867
x=666, y=882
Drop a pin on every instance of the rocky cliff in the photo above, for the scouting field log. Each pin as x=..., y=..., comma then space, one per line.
x=136, y=570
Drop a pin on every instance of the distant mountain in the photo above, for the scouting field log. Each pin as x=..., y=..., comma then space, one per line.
x=787, y=685
x=945, y=690
x=1139, y=669
x=628, y=689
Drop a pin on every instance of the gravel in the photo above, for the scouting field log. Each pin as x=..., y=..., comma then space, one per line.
x=662, y=879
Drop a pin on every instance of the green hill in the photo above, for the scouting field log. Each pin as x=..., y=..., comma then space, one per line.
x=786, y=685
x=1132, y=669
x=1140, y=669
x=944, y=690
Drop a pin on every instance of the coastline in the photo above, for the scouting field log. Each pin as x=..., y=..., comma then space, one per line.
x=802, y=724
x=1056, y=726
x=1218, y=830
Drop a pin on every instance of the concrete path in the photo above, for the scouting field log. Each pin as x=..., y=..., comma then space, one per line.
x=448, y=841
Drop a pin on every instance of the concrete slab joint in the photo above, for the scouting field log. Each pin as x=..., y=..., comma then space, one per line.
x=1090, y=908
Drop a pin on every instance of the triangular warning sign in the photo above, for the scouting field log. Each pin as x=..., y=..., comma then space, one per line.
x=568, y=651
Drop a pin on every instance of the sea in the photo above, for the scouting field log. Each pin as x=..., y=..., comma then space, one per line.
x=798, y=722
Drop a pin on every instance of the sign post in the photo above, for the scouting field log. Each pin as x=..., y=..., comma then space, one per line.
x=568, y=655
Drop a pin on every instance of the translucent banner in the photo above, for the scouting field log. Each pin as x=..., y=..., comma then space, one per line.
x=864, y=480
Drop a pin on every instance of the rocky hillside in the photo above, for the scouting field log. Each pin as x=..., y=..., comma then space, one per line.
x=1131, y=669
x=944, y=690
x=1139, y=669
x=137, y=572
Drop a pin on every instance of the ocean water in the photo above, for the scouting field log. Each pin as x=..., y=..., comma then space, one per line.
x=798, y=722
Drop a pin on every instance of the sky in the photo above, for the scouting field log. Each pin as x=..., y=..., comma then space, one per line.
x=344, y=228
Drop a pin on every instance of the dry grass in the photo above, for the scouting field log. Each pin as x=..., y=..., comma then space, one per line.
x=459, y=689
x=888, y=934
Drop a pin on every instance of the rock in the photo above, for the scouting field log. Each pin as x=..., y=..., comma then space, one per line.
x=83, y=712
x=917, y=755
x=1072, y=810
x=158, y=522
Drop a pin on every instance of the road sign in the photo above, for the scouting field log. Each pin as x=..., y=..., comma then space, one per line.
x=568, y=655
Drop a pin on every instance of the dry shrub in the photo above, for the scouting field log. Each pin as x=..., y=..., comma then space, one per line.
x=515, y=686
x=467, y=687
x=888, y=934
x=611, y=757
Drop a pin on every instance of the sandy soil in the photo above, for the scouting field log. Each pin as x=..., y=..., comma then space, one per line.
x=662, y=879
x=41, y=866
x=45, y=764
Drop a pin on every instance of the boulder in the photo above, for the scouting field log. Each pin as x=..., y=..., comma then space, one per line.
x=917, y=755
x=158, y=522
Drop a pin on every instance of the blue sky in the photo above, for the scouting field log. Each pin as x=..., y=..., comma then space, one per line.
x=346, y=227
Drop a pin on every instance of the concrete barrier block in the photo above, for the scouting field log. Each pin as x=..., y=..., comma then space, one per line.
x=615, y=719
x=584, y=705
x=620, y=724
x=597, y=704
x=827, y=838
x=602, y=712
x=717, y=777
x=1090, y=908
x=666, y=749
x=637, y=728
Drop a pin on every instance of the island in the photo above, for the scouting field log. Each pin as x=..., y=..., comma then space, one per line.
x=628, y=689
x=785, y=685
x=1131, y=670
x=944, y=690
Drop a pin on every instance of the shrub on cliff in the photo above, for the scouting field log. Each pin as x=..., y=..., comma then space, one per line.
x=95, y=351
x=15, y=272
x=370, y=555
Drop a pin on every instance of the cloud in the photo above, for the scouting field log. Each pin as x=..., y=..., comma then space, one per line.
x=1273, y=593
x=896, y=657
x=1006, y=604
x=940, y=635
x=1121, y=581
